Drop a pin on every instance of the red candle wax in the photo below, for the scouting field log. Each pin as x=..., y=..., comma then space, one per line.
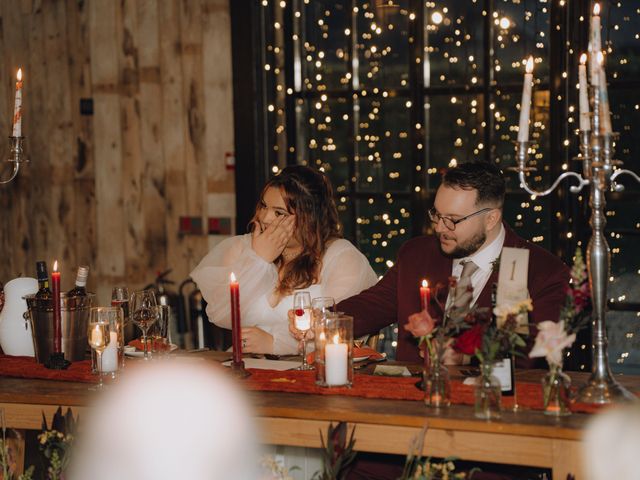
x=425, y=295
x=236, y=336
x=57, y=313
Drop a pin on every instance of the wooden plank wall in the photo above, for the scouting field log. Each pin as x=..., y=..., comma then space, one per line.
x=108, y=189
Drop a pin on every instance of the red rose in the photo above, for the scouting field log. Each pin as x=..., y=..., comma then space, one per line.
x=470, y=340
x=420, y=324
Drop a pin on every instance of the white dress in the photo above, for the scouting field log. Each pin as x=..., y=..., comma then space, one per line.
x=345, y=272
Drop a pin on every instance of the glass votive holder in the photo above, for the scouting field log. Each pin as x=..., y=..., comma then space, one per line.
x=334, y=351
x=113, y=355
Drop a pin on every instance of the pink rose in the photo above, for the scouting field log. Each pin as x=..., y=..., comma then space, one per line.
x=420, y=324
x=551, y=340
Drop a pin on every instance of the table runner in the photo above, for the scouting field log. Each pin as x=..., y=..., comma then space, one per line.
x=366, y=386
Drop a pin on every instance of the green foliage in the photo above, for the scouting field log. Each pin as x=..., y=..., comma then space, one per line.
x=338, y=454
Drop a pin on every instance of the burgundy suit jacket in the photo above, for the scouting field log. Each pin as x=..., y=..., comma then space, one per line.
x=396, y=295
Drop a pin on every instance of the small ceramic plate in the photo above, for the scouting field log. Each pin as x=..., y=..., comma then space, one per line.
x=130, y=351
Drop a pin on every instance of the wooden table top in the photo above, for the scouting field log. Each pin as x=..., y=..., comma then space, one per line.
x=341, y=408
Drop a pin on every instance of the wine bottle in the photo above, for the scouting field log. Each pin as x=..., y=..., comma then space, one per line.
x=504, y=368
x=44, y=292
x=80, y=289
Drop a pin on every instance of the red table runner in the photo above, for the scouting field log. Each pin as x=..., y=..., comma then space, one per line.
x=367, y=386
x=26, y=367
x=529, y=395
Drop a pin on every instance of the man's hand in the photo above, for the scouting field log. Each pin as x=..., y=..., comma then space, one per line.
x=270, y=242
x=256, y=340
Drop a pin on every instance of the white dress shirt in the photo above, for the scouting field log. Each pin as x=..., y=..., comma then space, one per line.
x=484, y=259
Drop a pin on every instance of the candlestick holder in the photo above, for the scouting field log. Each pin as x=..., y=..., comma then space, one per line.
x=238, y=370
x=599, y=173
x=17, y=155
x=57, y=362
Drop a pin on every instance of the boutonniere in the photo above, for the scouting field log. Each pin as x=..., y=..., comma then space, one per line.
x=495, y=265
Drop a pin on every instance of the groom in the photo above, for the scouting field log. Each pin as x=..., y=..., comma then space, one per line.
x=467, y=218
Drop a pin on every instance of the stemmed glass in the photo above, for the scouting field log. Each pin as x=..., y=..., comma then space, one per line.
x=98, y=336
x=302, y=311
x=323, y=305
x=143, y=305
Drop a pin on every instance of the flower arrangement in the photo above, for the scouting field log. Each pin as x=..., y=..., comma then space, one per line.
x=338, y=453
x=7, y=462
x=437, y=333
x=554, y=337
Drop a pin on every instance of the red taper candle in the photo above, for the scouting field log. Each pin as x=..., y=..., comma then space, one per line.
x=425, y=295
x=57, y=313
x=236, y=336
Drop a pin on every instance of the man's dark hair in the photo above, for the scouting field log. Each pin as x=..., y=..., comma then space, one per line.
x=483, y=177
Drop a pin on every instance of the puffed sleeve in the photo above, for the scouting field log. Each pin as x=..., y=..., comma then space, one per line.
x=256, y=276
x=345, y=271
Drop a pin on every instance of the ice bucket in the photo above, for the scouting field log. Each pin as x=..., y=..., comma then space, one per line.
x=75, y=319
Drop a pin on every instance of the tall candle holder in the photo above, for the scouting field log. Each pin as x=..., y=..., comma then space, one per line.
x=17, y=155
x=599, y=172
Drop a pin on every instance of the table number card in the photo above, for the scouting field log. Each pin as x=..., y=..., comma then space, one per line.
x=512, y=278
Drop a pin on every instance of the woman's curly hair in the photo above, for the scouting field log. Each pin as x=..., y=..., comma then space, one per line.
x=308, y=195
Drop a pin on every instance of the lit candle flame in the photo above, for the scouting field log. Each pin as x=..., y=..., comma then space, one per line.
x=596, y=9
x=232, y=277
x=19, y=75
x=336, y=339
x=600, y=58
x=529, y=67
x=55, y=266
x=583, y=59
x=425, y=283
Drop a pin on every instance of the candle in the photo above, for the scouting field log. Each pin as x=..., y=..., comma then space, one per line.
x=425, y=295
x=605, y=113
x=336, y=362
x=525, y=105
x=57, y=313
x=234, y=288
x=595, y=44
x=585, y=121
x=17, y=108
x=110, y=354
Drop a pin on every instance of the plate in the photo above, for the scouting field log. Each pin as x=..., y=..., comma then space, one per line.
x=361, y=359
x=130, y=352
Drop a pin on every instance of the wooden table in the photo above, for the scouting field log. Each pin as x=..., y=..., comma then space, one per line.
x=388, y=426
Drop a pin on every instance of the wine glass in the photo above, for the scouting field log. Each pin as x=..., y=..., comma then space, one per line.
x=323, y=305
x=143, y=305
x=98, y=336
x=120, y=298
x=302, y=311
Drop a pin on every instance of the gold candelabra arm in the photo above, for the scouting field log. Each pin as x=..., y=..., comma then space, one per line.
x=16, y=156
x=622, y=171
x=522, y=153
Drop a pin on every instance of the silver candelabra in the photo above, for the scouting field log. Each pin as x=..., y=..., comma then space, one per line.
x=17, y=156
x=599, y=172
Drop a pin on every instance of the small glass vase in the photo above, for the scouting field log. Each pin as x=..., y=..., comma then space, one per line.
x=555, y=390
x=436, y=382
x=488, y=394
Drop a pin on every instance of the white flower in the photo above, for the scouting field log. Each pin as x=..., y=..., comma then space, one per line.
x=519, y=310
x=550, y=341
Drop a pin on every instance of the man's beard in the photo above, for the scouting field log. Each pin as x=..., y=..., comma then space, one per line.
x=465, y=249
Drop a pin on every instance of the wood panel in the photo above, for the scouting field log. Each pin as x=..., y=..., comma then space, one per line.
x=108, y=188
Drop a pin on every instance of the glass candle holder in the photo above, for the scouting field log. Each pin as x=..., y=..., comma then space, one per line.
x=334, y=351
x=113, y=355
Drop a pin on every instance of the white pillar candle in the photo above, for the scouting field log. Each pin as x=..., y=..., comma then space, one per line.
x=336, y=363
x=17, y=107
x=595, y=46
x=605, y=113
x=110, y=354
x=585, y=121
x=525, y=104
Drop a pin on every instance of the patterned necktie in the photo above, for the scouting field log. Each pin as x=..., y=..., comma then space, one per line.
x=463, y=293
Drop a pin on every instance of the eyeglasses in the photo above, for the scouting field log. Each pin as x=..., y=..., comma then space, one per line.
x=449, y=222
